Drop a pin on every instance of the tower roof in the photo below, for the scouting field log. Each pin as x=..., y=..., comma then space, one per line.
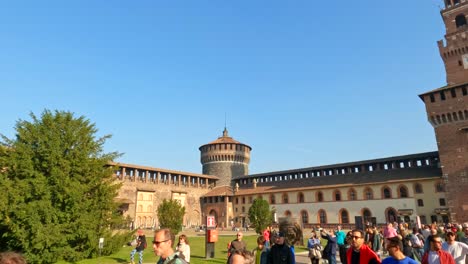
x=226, y=139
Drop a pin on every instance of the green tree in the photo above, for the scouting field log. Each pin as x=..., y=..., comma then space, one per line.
x=260, y=215
x=57, y=189
x=170, y=215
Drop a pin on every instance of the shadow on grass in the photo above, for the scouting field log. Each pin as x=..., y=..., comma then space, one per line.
x=119, y=260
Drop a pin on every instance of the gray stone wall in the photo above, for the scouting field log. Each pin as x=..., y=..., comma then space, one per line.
x=225, y=171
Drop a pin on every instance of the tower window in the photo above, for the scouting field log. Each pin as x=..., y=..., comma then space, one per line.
x=432, y=98
x=460, y=63
x=442, y=96
x=453, y=93
x=460, y=20
x=464, y=90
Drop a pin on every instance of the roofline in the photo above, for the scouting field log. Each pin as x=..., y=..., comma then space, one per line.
x=347, y=164
x=274, y=188
x=120, y=164
x=446, y=87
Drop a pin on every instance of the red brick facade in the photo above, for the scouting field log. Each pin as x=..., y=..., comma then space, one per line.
x=447, y=109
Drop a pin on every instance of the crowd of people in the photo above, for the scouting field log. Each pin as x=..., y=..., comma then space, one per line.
x=433, y=244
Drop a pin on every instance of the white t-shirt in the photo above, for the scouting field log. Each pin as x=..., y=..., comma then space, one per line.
x=433, y=258
x=457, y=250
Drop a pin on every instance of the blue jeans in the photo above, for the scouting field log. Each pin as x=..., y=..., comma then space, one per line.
x=332, y=259
x=132, y=255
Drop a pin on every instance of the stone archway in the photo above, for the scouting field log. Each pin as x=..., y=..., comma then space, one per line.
x=215, y=214
x=391, y=215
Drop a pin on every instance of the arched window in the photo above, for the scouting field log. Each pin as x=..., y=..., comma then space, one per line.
x=272, y=199
x=243, y=209
x=403, y=191
x=418, y=188
x=285, y=198
x=300, y=198
x=322, y=216
x=149, y=208
x=305, y=217
x=140, y=197
x=368, y=194
x=391, y=215
x=287, y=213
x=352, y=195
x=337, y=195
x=367, y=215
x=386, y=193
x=460, y=20
x=319, y=197
x=140, y=208
x=344, y=216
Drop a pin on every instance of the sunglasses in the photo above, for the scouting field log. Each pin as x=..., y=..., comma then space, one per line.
x=157, y=243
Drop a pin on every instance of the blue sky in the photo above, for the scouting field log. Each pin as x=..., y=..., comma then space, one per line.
x=304, y=83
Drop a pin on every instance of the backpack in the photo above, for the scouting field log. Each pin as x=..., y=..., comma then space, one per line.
x=177, y=257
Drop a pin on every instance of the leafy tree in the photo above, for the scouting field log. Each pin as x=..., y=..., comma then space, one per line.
x=57, y=189
x=260, y=215
x=170, y=215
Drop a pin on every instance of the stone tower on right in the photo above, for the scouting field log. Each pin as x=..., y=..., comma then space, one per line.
x=447, y=109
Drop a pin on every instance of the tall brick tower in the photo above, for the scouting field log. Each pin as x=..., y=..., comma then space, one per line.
x=447, y=108
x=225, y=158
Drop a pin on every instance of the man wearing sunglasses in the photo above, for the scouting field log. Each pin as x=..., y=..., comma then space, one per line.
x=457, y=249
x=163, y=247
x=359, y=253
x=436, y=255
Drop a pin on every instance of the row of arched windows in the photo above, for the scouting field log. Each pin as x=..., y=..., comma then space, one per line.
x=144, y=221
x=449, y=117
x=343, y=216
x=368, y=194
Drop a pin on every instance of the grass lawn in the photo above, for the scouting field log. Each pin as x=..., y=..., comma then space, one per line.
x=197, y=250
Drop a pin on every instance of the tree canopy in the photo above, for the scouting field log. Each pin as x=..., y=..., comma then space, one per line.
x=57, y=189
x=260, y=215
x=170, y=215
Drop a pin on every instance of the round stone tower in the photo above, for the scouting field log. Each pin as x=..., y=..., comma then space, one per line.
x=225, y=158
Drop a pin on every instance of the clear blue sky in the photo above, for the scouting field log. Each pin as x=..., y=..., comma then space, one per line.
x=304, y=83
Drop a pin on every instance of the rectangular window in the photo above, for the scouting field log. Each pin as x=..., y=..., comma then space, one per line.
x=454, y=94
x=442, y=96
x=442, y=202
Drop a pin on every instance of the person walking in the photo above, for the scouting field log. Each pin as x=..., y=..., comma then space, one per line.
x=237, y=244
x=139, y=247
x=183, y=247
x=329, y=252
x=162, y=246
x=359, y=253
x=396, y=256
x=340, y=240
x=280, y=252
x=436, y=255
x=458, y=250
x=261, y=252
x=315, y=248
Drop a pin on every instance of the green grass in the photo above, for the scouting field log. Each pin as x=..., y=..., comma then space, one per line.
x=197, y=250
